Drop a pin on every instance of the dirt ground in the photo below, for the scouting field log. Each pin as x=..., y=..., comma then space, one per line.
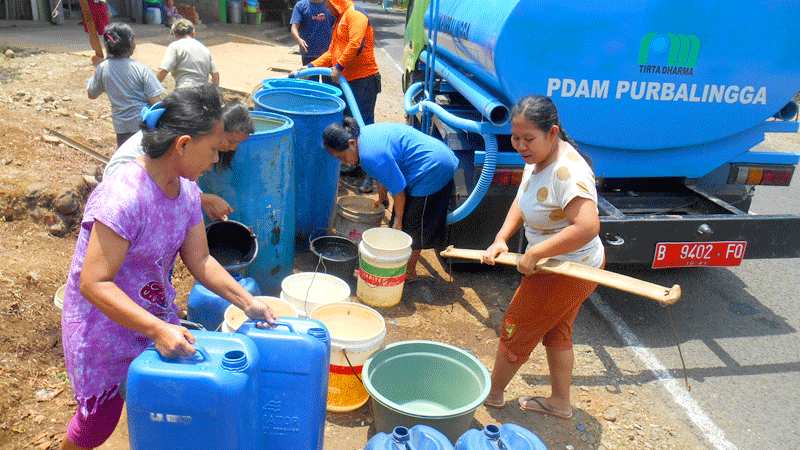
x=37, y=178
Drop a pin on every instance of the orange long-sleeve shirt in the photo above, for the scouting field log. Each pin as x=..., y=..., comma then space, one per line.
x=352, y=47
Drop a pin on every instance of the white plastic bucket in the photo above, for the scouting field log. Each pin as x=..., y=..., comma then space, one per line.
x=235, y=317
x=355, y=215
x=383, y=255
x=58, y=297
x=357, y=332
x=324, y=289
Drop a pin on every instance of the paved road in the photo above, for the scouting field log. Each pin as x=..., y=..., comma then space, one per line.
x=737, y=327
x=739, y=334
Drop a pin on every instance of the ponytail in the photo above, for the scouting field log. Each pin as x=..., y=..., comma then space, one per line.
x=336, y=137
x=567, y=138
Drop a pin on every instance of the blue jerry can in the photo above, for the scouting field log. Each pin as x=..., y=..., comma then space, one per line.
x=494, y=437
x=292, y=383
x=204, y=402
x=208, y=308
x=418, y=437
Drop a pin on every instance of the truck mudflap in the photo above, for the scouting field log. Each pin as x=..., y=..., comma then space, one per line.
x=637, y=239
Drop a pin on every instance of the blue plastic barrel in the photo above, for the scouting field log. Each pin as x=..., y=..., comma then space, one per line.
x=152, y=16
x=493, y=437
x=208, y=309
x=292, y=382
x=259, y=187
x=207, y=401
x=316, y=172
x=297, y=83
x=417, y=437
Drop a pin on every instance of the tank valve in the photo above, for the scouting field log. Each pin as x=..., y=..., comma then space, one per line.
x=614, y=240
x=704, y=230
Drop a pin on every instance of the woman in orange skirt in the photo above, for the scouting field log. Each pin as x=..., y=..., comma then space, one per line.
x=557, y=205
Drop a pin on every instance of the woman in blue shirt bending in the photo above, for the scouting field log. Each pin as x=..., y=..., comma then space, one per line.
x=416, y=168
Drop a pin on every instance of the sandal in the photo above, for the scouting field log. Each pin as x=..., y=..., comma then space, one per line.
x=491, y=404
x=540, y=406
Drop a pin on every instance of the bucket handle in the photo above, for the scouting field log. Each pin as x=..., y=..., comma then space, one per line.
x=200, y=355
x=276, y=324
x=287, y=325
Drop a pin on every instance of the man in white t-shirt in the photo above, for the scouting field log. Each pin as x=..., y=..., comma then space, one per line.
x=188, y=60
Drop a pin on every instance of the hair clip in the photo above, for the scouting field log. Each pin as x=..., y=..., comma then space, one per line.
x=152, y=114
x=110, y=37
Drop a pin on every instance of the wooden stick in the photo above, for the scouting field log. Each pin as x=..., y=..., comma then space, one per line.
x=663, y=295
x=94, y=41
x=81, y=147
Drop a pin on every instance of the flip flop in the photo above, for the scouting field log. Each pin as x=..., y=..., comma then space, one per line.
x=541, y=407
x=494, y=405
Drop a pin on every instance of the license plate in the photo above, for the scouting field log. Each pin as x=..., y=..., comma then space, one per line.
x=699, y=254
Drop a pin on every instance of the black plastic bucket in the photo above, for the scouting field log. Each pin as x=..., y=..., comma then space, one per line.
x=339, y=257
x=232, y=244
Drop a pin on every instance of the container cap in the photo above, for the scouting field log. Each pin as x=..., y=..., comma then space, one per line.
x=492, y=432
x=400, y=435
x=235, y=361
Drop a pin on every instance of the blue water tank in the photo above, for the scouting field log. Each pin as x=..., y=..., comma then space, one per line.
x=260, y=188
x=208, y=308
x=418, y=437
x=204, y=402
x=292, y=382
x=651, y=75
x=316, y=172
x=297, y=83
x=494, y=437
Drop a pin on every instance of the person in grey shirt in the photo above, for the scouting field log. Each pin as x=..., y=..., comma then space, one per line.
x=129, y=84
x=188, y=60
x=238, y=126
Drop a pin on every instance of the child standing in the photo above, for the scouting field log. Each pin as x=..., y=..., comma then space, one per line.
x=171, y=14
x=119, y=297
x=130, y=85
x=187, y=59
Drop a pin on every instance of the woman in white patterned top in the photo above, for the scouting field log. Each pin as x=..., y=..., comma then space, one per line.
x=557, y=205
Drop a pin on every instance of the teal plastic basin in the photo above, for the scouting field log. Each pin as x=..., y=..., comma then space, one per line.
x=425, y=382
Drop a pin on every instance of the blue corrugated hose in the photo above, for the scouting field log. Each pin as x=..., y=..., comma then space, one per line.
x=486, y=131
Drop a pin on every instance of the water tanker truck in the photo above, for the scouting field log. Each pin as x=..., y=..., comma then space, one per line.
x=668, y=98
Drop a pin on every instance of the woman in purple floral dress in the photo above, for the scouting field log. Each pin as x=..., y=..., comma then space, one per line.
x=119, y=297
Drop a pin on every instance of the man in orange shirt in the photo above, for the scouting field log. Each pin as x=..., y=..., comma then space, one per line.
x=352, y=54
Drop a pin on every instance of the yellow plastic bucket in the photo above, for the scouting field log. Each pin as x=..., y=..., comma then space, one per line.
x=383, y=255
x=235, y=317
x=357, y=332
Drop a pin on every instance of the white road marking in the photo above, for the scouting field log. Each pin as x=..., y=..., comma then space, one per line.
x=394, y=63
x=713, y=434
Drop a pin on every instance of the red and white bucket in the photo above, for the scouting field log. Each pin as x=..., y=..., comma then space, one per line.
x=383, y=255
